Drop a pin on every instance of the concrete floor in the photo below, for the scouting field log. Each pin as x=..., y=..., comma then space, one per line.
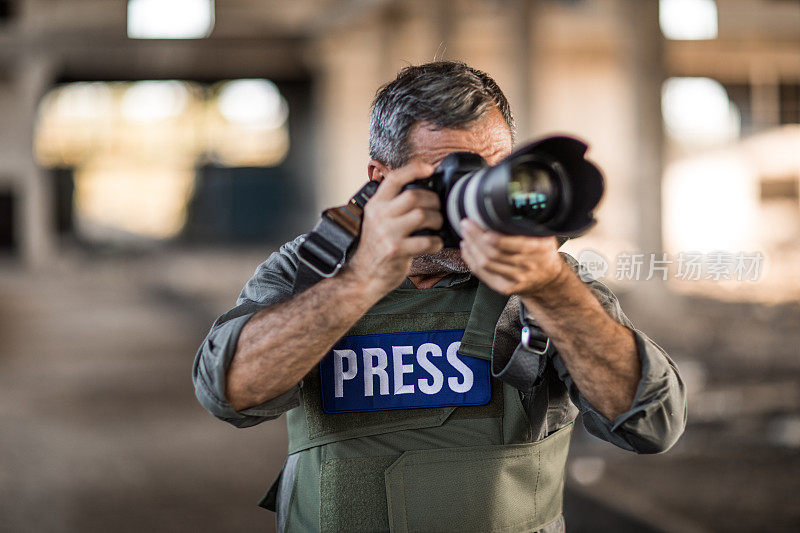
x=99, y=429
x=736, y=467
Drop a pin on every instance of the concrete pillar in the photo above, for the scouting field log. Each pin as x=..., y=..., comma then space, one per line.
x=443, y=14
x=644, y=50
x=764, y=97
x=36, y=235
x=522, y=14
x=348, y=74
x=391, y=18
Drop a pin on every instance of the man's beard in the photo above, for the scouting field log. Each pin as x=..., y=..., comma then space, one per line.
x=445, y=261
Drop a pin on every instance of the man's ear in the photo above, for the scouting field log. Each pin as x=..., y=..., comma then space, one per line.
x=376, y=170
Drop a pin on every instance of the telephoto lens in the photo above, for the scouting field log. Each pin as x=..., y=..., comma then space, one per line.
x=545, y=188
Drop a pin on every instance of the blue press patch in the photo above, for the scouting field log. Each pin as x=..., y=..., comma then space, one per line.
x=402, y=371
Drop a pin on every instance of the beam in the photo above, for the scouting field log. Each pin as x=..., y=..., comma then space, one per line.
x=78, y=56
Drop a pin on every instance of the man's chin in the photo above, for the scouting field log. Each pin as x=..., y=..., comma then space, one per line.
x=446, y=261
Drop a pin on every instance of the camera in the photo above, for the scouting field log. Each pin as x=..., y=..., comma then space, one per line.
x=544, y=188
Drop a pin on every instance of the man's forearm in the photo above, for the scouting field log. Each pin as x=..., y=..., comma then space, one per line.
x=279, y=345
x=599, y=353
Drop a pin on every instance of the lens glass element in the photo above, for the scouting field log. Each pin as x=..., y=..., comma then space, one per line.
x=532, y=191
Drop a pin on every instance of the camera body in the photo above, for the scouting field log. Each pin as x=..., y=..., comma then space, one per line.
x=452, y=168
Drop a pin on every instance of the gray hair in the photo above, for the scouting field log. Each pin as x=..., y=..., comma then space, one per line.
x=445, y=94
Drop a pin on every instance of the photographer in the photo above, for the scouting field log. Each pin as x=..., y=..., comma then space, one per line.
x=395, y=420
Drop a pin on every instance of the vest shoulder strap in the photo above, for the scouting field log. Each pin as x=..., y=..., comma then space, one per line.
x=486, y=310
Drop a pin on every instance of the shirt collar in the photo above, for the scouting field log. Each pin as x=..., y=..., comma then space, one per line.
x=450, y=280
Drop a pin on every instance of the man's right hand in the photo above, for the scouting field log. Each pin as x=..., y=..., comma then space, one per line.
x=282, y=343
x=384, y=253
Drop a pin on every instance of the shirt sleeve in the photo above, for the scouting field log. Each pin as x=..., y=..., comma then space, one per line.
x=657, y=416
x=271, y=283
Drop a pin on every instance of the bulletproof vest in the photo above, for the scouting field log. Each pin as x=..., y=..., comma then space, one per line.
x=402, y=427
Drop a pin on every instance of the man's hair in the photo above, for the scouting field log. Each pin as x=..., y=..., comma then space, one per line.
x=444, y=94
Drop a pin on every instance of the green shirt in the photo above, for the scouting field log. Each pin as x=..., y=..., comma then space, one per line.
x=653, y=423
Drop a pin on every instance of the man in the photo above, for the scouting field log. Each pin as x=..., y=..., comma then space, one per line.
x=478, y=441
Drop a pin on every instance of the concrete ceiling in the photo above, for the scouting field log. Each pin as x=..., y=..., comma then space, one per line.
x=86, y=39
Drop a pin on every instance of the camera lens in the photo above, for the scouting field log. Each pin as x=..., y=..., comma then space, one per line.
x=532, y=191
x=544, y=188
x=515, y=198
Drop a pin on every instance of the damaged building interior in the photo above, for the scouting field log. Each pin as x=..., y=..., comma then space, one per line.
x=154, y=152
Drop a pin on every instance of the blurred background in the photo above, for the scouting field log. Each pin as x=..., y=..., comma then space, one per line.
x=154, y=152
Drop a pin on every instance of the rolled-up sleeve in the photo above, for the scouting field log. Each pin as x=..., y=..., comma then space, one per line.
x=657, y=416
x=271, y=284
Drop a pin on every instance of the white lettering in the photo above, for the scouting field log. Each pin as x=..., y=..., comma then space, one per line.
x=379, y=370
x=399, y=369
x=425, y=385
x=338, y=369
x=458, y=364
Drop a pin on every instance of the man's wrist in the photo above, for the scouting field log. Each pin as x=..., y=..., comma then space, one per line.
x=552, y=293
x=368, y=291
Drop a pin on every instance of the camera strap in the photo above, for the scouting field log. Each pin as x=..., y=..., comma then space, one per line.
x=323, y=251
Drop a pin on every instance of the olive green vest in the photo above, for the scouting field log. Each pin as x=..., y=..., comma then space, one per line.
x=468, y=468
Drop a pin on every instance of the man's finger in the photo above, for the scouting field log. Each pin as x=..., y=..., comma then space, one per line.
x=505, y=243
x=493, y=254
x=417, y=219
x=423, y=244
x=502, y=269
x=482, y=244
x=496, y=281
x=484, y=261
x=518, y=243
x=408, y=200
x=396, y=179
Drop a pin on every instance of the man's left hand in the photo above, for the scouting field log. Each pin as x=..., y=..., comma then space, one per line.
x=511, y=264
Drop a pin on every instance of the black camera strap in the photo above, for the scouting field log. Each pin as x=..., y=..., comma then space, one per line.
x=323, y=251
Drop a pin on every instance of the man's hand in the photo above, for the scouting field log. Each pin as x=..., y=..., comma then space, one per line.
x=599, y=353
x=384, y=253
x=282, y=343
x=511, y=264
